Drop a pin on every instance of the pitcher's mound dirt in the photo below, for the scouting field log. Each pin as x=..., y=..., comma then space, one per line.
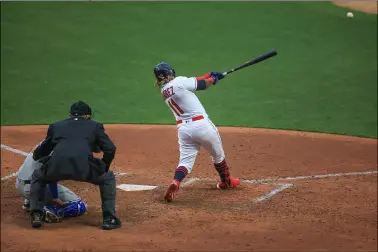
x=331, y=213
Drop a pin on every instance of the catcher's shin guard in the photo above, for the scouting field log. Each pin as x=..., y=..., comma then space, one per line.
x=74, y=208
x=69, y=209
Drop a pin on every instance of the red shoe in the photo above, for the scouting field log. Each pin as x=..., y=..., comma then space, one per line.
x=172, y=190
x=234, y=182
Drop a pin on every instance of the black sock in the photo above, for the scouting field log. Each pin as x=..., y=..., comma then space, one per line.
x=180, y=173
x=222, y=169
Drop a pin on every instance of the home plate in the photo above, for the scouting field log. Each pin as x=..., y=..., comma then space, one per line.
x=129, y=187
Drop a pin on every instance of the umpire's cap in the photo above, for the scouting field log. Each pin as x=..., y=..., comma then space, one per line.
x=80, y=108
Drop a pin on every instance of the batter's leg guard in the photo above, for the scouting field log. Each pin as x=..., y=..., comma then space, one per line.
x=226, y=180
x=223, y=171
x=180, y=173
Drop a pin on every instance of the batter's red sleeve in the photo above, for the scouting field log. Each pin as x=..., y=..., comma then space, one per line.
x=206, y=76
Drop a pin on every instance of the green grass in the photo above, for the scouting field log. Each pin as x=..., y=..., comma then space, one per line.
x=324, y=77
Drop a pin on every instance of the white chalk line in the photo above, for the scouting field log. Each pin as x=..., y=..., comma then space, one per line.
x=6, y=147
x=310, y=177
x=189, y=181
x=9, y=176
x=279, y=188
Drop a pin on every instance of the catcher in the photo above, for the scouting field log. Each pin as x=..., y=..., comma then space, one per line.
x=59, y=201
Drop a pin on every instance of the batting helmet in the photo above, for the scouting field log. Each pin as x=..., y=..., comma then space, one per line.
x=163, y=70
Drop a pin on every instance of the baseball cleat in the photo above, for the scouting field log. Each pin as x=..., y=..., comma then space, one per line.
x=111, y=222
x=26, y=205
x=234, y=182
x=172, y=190
x=49, y=216
x=36, y=220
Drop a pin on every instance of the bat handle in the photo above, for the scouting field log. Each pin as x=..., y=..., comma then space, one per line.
x=225, y=73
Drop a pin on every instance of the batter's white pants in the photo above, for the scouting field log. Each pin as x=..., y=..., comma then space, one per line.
x=193, y=135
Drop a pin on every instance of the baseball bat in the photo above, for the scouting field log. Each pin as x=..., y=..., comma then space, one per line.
x=253, y=61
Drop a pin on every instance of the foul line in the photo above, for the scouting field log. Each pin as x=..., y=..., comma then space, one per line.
x=258, y=181
x=279, y=187
x=6, y=147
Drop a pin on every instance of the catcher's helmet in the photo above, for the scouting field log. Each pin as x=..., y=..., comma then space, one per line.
x=163, y=70
x=80, y=108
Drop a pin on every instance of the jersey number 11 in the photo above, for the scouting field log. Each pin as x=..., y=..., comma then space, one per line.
x=175, y=107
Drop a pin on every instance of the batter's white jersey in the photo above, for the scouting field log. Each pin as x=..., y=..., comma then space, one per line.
x=192, y=134
x=179, y=96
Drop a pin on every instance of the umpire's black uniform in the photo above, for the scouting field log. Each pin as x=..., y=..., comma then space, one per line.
x=73, y=142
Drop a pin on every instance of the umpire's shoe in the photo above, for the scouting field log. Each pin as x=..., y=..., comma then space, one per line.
x=36, y=219
x=111, y=222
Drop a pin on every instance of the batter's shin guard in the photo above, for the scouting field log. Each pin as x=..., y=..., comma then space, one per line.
x=222, y=169
x=180, y=173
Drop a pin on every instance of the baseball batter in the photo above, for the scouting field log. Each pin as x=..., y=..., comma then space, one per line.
x=195, y=129
x=60, y=201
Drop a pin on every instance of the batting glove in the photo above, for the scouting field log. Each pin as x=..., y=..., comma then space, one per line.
x=219, y=75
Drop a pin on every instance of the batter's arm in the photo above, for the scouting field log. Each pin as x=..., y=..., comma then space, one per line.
x=205, y=81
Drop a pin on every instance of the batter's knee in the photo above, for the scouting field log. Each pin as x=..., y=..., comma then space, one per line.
x=218, y=159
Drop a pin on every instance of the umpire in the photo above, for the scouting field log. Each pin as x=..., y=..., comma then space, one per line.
x=73, y=142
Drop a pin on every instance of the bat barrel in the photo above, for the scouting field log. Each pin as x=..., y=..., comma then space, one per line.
x=253, y=61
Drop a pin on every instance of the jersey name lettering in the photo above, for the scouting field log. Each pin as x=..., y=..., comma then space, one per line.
x=168, y=92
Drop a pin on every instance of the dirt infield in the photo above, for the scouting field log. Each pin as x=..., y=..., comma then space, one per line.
x=364, y=6
x=336, y=212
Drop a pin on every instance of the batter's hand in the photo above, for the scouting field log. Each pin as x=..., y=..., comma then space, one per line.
x=218, y=75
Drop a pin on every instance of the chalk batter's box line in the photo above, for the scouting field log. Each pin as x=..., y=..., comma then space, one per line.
x=278, y=187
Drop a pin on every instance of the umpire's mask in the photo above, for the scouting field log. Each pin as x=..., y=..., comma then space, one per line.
x=80, y=108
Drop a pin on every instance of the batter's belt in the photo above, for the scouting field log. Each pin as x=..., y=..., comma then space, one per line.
x=196, y=118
